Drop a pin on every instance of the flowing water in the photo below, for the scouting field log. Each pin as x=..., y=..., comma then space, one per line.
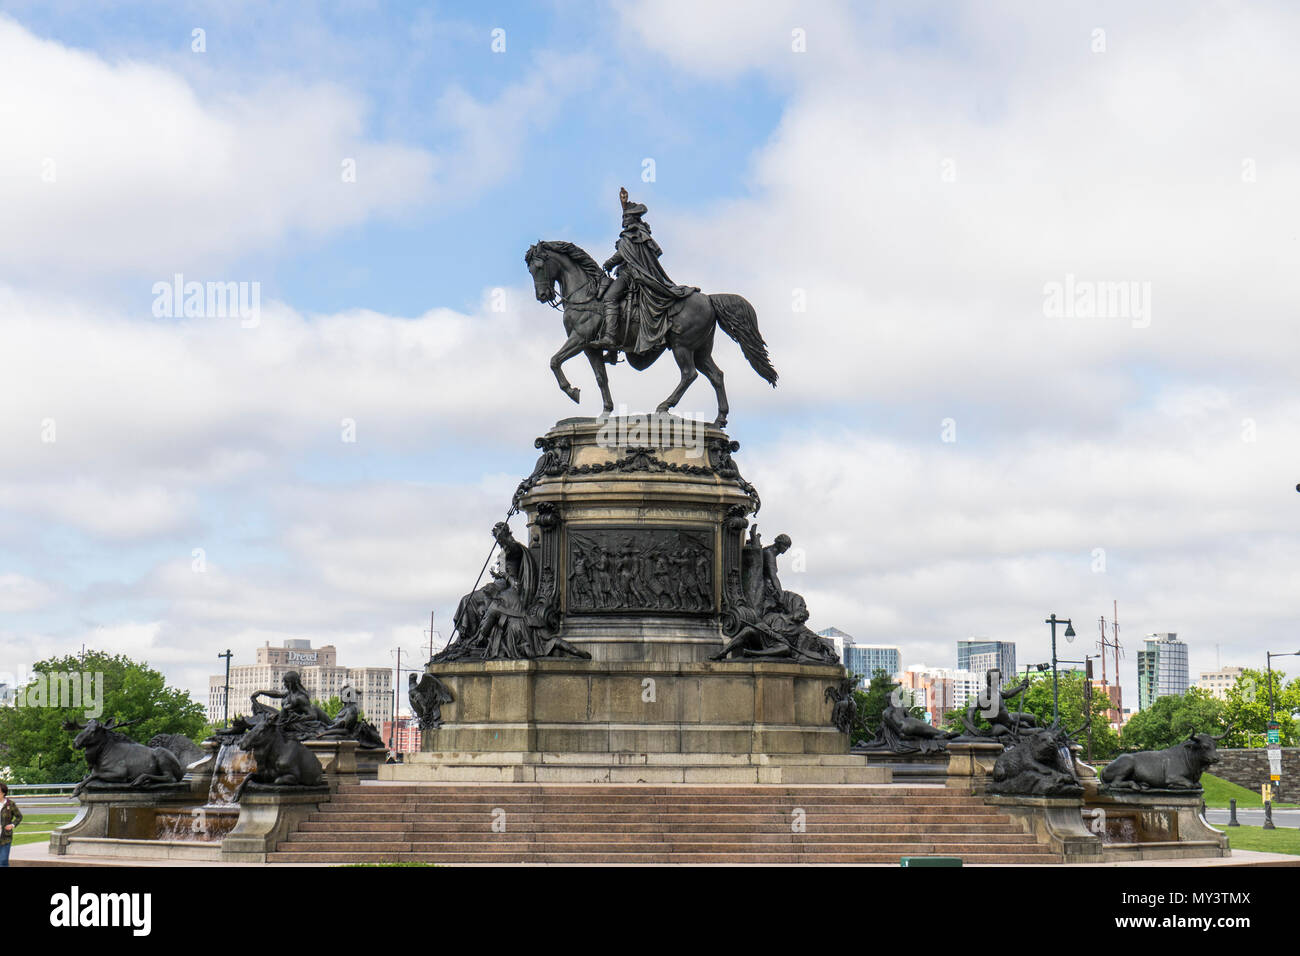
x=232, y=766
x=195, y=824
x=211, y=822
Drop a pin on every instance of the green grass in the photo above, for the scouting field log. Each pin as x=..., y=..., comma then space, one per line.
x=36, y=827
x=1281, y=840
x=350, y=865
x=1219, y=791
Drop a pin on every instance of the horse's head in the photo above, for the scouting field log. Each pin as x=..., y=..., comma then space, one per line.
x=544, y=269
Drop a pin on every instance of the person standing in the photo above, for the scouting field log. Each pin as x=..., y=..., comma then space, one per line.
x=10, y=817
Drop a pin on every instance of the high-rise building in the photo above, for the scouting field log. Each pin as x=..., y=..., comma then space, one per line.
x=1162, y=668
x=837, y=638
x=942, y=688
x=322, y=676
x=864, y=659
x=981, y=654
x=1219, y=682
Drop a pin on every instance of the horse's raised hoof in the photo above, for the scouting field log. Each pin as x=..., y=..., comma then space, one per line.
x=607, y=411
x=573, y=393
x=662, y=408
x=720, y=421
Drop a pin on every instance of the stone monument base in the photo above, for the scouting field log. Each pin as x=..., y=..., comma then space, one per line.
x=578, y=721
x=651, y=768
x=611, y=707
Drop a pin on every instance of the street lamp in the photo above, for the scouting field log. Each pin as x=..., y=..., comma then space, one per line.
x=226, y=692
x=1270, y=655
x=1056, y=689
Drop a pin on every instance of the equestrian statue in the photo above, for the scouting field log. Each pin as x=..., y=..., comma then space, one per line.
x=629, y=305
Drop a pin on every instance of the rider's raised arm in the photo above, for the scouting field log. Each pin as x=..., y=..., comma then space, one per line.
x=1013, y=691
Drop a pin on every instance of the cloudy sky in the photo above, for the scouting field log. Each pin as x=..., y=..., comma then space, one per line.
x=908, y=193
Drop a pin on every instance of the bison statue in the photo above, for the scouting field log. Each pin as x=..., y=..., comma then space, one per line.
x=1037, y=764
x=117, y=760
x=282, y=762
x=1174, y=768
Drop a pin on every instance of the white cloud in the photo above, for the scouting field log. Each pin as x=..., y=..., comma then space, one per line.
x=20, y=593
x=925, y=300
x=124, y=167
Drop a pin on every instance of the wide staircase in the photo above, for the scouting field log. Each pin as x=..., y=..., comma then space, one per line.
x=603, y=824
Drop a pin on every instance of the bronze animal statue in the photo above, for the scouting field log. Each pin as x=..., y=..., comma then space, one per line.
x=115, y=758
x=1175, y=768
x=281, y=761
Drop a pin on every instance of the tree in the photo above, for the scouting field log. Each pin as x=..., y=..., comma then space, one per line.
x=1172, y=718
x=39, y=750
x=331, y=706
x=872, y=703
x=1072, y=692
x=1247, y=709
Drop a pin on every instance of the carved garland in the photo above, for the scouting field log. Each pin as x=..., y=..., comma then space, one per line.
x=639, y=459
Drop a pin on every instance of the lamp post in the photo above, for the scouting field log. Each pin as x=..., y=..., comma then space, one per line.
x=226, y=694
x=1087, y=693
x=1056, y=689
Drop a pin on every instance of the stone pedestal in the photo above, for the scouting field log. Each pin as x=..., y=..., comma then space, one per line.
x=1057, y=821
x=112, y=815
x=638, y=707
x=970, y=765
x=1152, y=825
x=637, y=527
x=661, y=488
x=265, y=819
x=578, y=721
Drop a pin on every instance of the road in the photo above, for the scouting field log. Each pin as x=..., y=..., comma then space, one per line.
x=1254, y=818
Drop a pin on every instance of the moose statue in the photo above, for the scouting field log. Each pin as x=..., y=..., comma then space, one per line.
x=281, y=761
x=117, y=760
x=1175, y=768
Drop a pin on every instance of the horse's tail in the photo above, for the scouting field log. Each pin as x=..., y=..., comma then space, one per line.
x=737, y=318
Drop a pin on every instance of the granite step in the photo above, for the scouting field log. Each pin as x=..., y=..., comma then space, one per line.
x=609, y=858
x=391, y=841
x=584, y=824
x=906, y=825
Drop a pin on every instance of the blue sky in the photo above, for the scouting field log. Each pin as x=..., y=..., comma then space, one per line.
x=402, y=57
x=917, y=173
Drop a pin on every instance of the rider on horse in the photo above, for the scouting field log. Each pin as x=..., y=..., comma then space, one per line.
x=650, y=293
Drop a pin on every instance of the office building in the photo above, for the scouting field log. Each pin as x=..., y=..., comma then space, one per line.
x=1219, y=682
x=1162, y=668
x=941, y=689
x=982, y=654
x=322, y=676
x=864, y=659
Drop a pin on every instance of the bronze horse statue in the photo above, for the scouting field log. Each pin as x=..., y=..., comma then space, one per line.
x=690, y=327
